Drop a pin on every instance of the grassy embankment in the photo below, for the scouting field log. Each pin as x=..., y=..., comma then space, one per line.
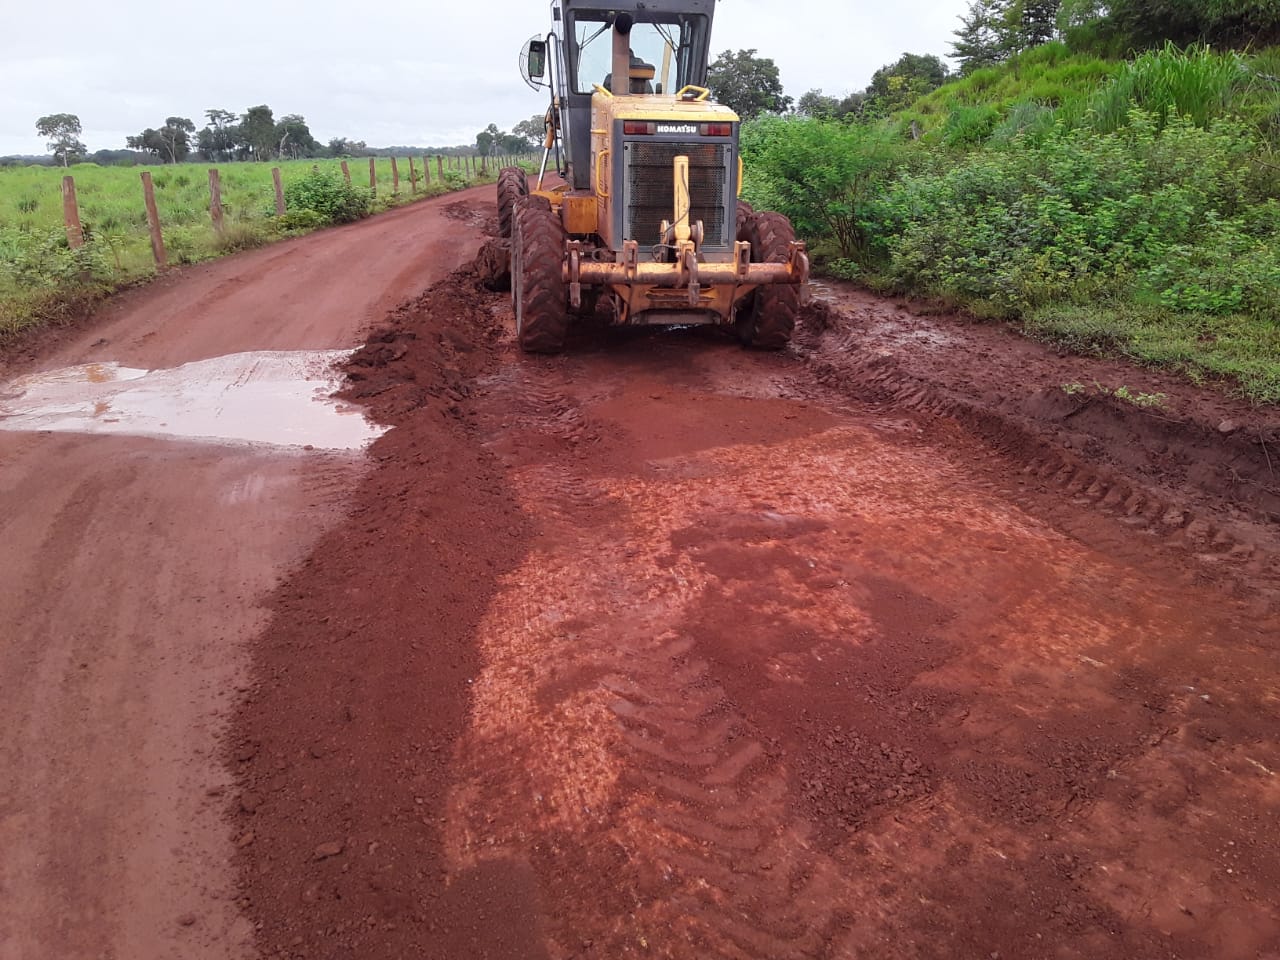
x=42, y=280
x=1126, y=208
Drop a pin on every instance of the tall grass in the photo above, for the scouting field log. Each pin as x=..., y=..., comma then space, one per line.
x=1195, y=83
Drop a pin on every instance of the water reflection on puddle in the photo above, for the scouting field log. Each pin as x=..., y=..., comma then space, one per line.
x=278, y=398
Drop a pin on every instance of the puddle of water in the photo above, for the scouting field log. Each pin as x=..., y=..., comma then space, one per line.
x=268, y=397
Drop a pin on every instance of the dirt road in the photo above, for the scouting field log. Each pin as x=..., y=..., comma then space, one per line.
x=659, y=648
x=131, y=578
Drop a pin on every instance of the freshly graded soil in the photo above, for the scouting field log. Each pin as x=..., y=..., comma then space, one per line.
x=916, y=640
x=660, y=647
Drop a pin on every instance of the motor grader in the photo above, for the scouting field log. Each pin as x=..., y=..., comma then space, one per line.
x=644, y=214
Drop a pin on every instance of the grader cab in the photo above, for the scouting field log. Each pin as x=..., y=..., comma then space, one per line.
x=645, y=212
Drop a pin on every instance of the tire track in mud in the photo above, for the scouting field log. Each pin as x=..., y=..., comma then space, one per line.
x=1233, y=542
x=662, y=705
x=724, y=850
x=713, y=861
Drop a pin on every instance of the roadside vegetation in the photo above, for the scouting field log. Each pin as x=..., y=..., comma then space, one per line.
x=1116, y=206
x=42, y=279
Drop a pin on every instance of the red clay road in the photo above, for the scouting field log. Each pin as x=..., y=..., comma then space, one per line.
x=656, y=649
x=131, y=575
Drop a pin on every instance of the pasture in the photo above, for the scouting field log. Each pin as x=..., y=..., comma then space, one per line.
x=42, y=279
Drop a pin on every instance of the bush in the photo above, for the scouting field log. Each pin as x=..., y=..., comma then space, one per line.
x=44, y=260
x=1136, y=212
x=300, y=221
x=328, y=195
x=826, y=176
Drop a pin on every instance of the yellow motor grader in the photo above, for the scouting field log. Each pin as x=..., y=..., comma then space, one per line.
x=645, y=210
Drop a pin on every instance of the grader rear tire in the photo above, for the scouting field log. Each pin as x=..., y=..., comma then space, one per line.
x=537, y=280
x=512, y=185
x=767, y=317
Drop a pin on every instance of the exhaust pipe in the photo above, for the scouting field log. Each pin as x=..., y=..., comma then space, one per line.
x=620, y=79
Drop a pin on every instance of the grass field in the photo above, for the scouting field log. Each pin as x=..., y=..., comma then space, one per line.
x=41, y=280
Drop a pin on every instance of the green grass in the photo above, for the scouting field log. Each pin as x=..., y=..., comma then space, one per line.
x=1047, y=75
x=1197, y=83
x=1241, y=350
x=41, y=281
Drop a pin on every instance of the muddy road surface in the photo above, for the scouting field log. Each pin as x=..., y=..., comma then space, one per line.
x=878, y=647
x=159, y=470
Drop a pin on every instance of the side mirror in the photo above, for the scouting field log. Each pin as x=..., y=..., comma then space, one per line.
x=533, y=62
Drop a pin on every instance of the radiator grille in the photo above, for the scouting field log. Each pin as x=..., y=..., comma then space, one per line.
x=651, y=193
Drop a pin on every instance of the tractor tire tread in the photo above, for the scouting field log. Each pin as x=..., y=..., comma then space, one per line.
x=513, y=184
x=542, y=317
x=771, y=318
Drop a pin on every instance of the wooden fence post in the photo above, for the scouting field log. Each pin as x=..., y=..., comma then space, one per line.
x=395, y=178
x=71, y=213
x=413, y=177
x=440, y=168
x=215, y=201
x=275, y=178
x=373, y=176
x=153, y=221
x=346, y=173
x=426, y=170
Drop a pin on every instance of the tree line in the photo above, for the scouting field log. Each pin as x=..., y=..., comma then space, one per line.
x=253, y=135
x=993, y=31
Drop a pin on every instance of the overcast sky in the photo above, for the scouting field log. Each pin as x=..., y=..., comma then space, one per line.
x=417, y=74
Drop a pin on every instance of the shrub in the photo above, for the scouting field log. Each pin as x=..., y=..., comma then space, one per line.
x=44, y=260
x=826, y=176
x=300, y=221
x=328, y=195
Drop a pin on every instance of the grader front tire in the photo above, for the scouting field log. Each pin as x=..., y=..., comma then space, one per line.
x=768, y=316
x=537, y=280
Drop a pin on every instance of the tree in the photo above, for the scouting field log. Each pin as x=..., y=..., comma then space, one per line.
x=487, y=139
x=258, y=132
x=1039, y=21
x=149, y=141
x=510, y=144
x=533, y=130
x=815, y=103
x=176, y=136
x=342, y=147
x=748, y=84
x=171, y=143
x=827, y=177
x=218, y=140
x=979, y=42
x=293, y=137
x=1151, y=23
x=897, y=85
x=62, y=130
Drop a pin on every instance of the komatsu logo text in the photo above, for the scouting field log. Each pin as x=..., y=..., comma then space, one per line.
x=677, y=128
